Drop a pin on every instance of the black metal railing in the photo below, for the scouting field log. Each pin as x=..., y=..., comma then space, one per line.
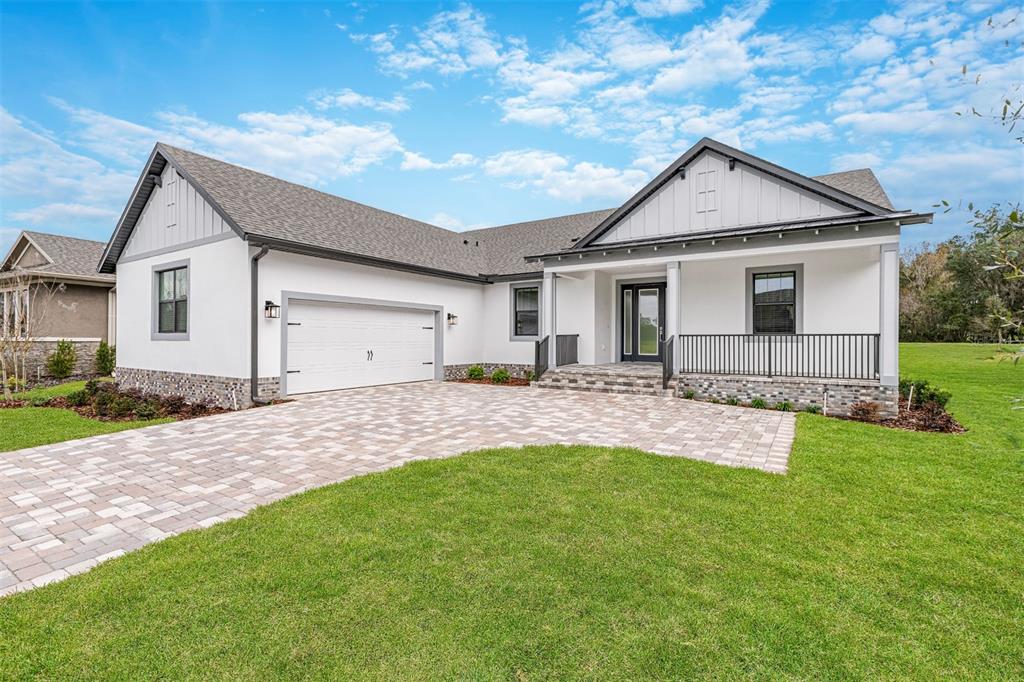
x=567, y=349
x=540, y=358
x=821, y=356
x=667, y=361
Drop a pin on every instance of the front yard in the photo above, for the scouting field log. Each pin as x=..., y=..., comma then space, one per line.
x=27, y=427
x=882, y=553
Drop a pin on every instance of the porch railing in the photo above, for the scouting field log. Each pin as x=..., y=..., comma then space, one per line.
x=540, y=358
x=822, y=356
x=667, y=361
x=567, y=349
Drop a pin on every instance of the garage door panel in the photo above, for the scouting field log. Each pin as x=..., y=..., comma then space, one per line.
x=333, y=346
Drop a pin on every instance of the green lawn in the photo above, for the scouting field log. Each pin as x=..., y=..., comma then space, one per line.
x=26, y=427
x=881, y=554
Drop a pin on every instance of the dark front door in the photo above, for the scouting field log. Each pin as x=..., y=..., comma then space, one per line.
x=641, y=322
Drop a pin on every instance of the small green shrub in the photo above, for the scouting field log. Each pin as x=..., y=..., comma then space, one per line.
x=813, y=409
x=122, y=406
x=61, y=362
x=784, y=406
x=529, y=375
x=924, y=392
x=91, y=386
x=689, y=394
x=475, y=372
x=759, y=403
x=500, y=376
x=78, y=398
x=40, y=402
x=106, y=359
x=732, y=400
x=147, y=410
x=101, y=403
x=15, y=384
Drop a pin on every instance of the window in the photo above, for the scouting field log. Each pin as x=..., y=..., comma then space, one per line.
x=525, y=310
x=774, y=303
x=172, y=301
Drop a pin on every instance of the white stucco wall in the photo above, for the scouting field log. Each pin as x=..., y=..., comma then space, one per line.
x=496, y=327
x=840, y=291
x=218, y=342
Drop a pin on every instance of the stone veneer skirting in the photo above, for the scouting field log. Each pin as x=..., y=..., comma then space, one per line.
x=228, y=392
x=85, y=360
x=837, y=394
x=452, y=372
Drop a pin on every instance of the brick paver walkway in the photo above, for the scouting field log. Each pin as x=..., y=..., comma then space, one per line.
x=66, y=507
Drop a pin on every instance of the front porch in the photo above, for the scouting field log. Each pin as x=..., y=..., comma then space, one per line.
x=810, y=324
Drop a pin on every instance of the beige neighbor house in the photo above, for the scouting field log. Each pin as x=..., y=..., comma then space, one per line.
x=50, y=290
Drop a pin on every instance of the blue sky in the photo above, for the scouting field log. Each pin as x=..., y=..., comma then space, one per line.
x=476, y=114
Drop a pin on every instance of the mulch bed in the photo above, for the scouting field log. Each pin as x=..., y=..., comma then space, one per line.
x=512, y=381
x=928, y=417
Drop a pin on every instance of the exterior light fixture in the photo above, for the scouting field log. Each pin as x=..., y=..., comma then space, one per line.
x=453, y=319
x=732, y=164
x=271, y=310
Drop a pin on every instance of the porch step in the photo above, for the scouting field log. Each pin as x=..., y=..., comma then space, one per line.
x=598, y=381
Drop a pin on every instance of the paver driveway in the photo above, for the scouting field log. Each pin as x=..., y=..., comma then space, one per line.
x=68, y=506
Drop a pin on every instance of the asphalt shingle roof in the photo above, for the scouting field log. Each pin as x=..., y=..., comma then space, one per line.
x=71, y=256
x=265, y=206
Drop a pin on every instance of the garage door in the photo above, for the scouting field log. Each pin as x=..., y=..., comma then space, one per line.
x=335, y=345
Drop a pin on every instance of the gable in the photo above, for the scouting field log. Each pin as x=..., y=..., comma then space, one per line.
x=709, y=196
x=174, y=215
x=31, y=257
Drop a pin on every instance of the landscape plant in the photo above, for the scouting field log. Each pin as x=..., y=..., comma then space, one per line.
x=106, y=359
x=475, y=372
x=61, y=362
x=500, y=376
x=759, y=403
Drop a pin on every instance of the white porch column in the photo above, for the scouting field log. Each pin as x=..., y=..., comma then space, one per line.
x=550, y=324
x=672, y=309
x=889, y=312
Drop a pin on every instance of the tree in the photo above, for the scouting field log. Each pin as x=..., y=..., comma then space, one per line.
x=25, y=296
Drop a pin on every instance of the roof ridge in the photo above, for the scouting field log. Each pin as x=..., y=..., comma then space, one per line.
x=63, y=236
x=307, y=188
x=537, y=220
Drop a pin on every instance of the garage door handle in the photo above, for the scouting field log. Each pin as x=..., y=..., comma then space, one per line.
x=428, y=363
x=294, y=324
x=294, y=371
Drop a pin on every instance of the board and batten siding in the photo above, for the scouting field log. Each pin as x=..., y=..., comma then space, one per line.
x=175, y=215
x=712, y=197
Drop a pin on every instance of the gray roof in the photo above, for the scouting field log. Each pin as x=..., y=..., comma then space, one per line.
x=267, y=210
x=70, y=257
x=860, y=183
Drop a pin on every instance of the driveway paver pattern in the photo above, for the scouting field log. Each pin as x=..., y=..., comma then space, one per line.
x=66, y=507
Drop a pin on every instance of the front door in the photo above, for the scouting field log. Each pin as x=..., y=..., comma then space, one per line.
x=642, y=322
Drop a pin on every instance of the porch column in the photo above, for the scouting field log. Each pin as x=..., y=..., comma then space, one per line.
x=889, y=313
x=549, y=326
x=672, y=310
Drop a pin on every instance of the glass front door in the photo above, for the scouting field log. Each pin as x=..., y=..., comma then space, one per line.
x=642, y=322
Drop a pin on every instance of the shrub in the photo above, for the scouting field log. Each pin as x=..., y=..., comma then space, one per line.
x=759, y=403
x=813, y=408
x=732, y=400
x=529, y=375
x=61, y=362
x=78, y=398
x=40, y=402
x=865, y=411
x=122, y=406
x=784, y=406
x=924, y=392
x=172, y=404
x=106, y=358
x=15, y=384
x=689, y=394
x=91, y=386
x=935, y=418
x=500, y=376
x=148, y=409
x=101, y=403
x=475, y=372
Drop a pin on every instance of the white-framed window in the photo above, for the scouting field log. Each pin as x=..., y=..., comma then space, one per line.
x=525, y=307
x=773, y=305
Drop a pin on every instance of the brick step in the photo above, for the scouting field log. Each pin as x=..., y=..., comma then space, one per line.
x=603, y=382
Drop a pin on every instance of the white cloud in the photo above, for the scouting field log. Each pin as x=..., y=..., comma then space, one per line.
x=414, y=161
x=420, y=85
x=855, y=160
x=113, y=138
x=664, y=8
x=450, y=222
x=553, y=175
x=346, y=98
x=871, y=49
x=60, y=214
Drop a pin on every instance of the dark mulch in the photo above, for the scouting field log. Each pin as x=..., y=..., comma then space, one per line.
x=928, y=417
x=512, y=381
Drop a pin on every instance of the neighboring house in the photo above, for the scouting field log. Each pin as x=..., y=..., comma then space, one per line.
x=50, y=290
x=737, y=275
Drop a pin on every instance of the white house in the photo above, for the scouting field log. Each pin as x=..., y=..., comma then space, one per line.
x=726, y=276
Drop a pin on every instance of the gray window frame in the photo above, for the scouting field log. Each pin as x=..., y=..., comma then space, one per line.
x=798, y=270
x=155, y=333
x=512, y=288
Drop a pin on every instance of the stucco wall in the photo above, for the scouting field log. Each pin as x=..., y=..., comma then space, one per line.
x=496, y=327
x=218, y=342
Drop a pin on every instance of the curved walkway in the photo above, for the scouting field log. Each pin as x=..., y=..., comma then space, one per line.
x=68, y=506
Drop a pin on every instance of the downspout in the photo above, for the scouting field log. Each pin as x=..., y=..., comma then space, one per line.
x=254, y=332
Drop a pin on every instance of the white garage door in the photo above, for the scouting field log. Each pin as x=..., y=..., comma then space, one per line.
x=336, y=345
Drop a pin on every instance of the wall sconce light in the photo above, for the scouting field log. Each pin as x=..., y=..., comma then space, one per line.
x=453, y=319
x=271, y=310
